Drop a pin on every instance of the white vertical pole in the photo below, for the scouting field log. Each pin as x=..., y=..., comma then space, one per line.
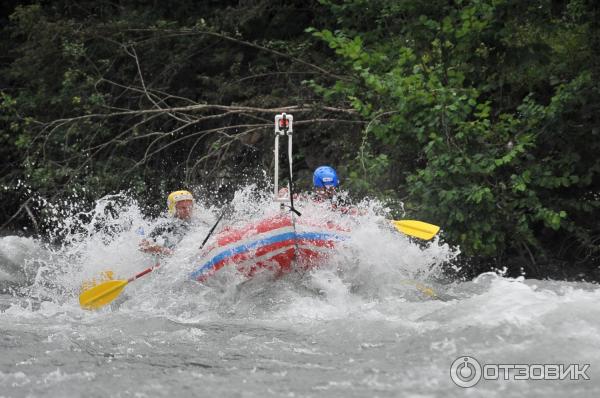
x=283, y=126
x=290, y=160
x=276, y=153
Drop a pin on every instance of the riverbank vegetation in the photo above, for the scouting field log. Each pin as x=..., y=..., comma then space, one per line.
x=482, y=116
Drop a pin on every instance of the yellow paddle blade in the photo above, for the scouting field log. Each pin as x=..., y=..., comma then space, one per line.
x=102, y=294
x=107, y=275
x=418, y=229
x=426, y=290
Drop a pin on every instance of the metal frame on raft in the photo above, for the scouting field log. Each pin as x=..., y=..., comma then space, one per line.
x=283, y=126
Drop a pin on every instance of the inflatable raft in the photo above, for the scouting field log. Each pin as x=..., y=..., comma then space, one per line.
x=280, y=243
x=277, y=244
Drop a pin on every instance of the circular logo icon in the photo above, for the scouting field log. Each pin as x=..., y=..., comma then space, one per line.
x=465, y=372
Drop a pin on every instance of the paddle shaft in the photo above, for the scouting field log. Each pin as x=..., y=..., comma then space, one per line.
x=144, y=272
x=212, y=229
x=148, y=270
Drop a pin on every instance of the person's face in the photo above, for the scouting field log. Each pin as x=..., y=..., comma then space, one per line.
x=326, y=192
x=183, y=209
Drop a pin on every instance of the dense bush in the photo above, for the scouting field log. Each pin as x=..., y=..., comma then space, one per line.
x=490, y=110
x=480, y=115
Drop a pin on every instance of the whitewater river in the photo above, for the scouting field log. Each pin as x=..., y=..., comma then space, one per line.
x=359, y=326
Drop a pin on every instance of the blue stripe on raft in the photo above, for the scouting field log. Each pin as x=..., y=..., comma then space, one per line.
x=263, y=242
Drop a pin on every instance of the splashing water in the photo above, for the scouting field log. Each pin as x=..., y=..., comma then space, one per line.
x=358, y=325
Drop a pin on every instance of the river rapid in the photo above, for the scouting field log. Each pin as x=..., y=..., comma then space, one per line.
x=362, y=324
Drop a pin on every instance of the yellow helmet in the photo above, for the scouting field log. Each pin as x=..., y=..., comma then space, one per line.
x=175, y=197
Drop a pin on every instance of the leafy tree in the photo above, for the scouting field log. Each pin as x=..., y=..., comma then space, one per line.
x=102, y=96
x=489, y=109
x=480, y=115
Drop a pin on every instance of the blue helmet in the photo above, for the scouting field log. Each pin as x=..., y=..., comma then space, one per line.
x=325, y=176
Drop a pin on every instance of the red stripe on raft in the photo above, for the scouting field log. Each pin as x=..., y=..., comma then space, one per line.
x=264, y=250
x=228, y=236
x=282, y=263
x=279, y=263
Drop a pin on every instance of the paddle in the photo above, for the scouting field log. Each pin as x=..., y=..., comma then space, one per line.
x=426, y=290
x=212, y=229
x=417, y=229
x=106, y=292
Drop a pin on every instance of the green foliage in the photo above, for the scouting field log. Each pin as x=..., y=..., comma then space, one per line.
x=482, y=111
x=68, y=59
x=480, y=115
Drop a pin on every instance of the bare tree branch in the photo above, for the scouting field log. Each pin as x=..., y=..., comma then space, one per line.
x=192, y=32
